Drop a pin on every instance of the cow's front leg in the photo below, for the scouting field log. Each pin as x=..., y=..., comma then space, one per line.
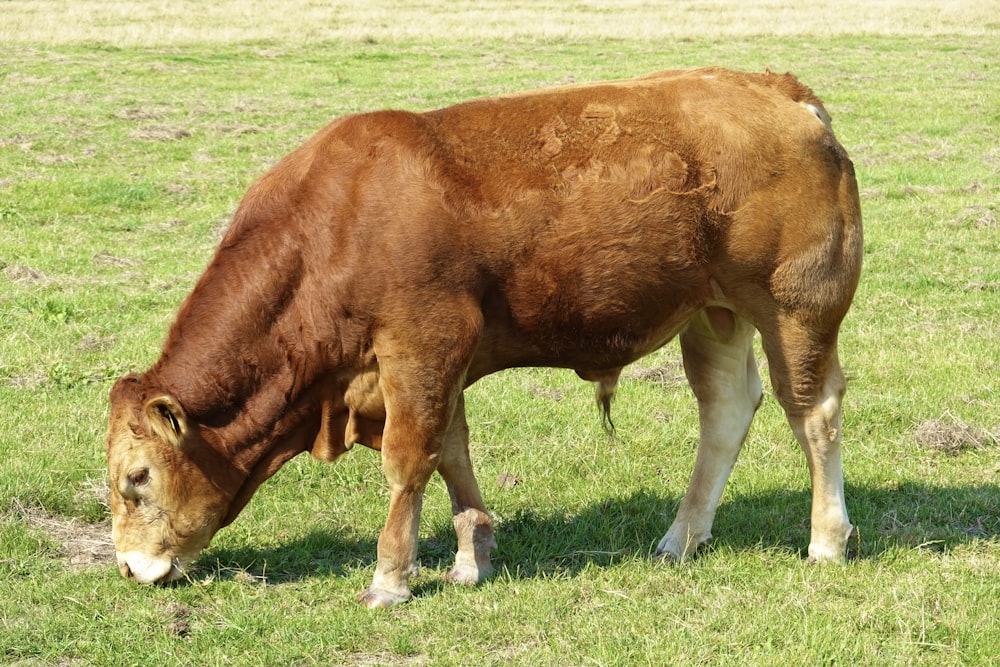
x=421, y=381
x=397, y=550
x=408, y=464
x=473, y=525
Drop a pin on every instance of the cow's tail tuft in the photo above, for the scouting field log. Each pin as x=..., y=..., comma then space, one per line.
x=605, y=392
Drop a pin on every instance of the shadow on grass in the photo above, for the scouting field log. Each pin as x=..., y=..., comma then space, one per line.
x=319, y=553
x=533, y=543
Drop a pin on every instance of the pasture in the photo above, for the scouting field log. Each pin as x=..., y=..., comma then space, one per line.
x=129, y=132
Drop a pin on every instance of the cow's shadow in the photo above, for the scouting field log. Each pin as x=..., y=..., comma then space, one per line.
x=542, y=543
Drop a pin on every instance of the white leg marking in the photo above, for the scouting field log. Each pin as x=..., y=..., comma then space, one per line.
x=723, y=374
x=818, y=433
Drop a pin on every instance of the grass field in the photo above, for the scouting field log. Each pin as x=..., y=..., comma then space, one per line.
x=129, y=132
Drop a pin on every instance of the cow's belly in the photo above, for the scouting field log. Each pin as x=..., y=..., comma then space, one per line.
x=596, y=291
x=587, y=341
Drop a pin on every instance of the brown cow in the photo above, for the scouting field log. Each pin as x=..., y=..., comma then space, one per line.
x=395, y=258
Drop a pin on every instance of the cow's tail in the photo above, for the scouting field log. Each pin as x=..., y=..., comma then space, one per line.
x=607, y=382
x=605, y=392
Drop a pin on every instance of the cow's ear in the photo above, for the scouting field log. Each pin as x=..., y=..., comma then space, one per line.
x=167, y=419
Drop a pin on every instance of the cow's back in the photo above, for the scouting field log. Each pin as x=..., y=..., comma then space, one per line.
x=601, y=208
x=587, y=219
x=672, y=130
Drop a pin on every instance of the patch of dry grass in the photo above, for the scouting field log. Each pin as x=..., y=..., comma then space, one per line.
x=178, y=22
x=952, y=436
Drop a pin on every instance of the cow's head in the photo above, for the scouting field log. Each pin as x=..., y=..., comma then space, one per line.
x=167, y=495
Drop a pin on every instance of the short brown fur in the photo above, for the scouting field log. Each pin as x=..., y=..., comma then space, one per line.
x=396, y=257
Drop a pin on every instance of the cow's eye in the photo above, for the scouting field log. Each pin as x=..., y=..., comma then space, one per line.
x=138, y=477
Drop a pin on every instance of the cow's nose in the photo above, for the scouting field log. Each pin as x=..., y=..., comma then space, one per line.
x=124, y=568
x=145, y=569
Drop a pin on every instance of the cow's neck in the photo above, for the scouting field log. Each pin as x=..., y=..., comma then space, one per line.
x=235, y=359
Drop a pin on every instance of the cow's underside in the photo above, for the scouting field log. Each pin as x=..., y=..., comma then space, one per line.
x=396, y=258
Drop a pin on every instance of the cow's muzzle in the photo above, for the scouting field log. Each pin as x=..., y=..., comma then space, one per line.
x=148, y=569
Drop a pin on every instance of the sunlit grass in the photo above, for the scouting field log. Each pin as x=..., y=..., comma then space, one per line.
x=185, y=22
x=119, y=167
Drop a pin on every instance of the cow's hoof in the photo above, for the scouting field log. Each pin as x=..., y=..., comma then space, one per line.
x=375, y=598
x=468, y=575
x=820, y=554
x=668, y=555
x=834, y=550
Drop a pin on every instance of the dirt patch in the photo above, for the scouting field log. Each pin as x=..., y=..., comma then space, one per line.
x=33, y=379
x=82, y=545
x=238, y=129
x=180, y=189
x=952, y=437
x=507, y=481
x=53, y=158
x=94, y=343
x=137, y=114
x=981, y=217
x=370, y=659
x=979, y=286
x=20, y=273
x=178, y=622
x=107, y=259
x=667, y=375
x=548, y=393
x=160, y=133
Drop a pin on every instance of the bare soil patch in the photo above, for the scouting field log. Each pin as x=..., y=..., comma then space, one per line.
x=132, y=113
x=20, y=273
x=160, y=133
x=982, y=217
x=238, y=129
x=82, y=545
x=506, y=480
x=107, y=259
x=178, y=624
x=664, y=375
x=94, y=343
x=548, y=393
x=30, y=379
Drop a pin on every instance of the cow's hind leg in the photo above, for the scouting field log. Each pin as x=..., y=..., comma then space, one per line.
x=718, y=359
x=473, y=525
x=809, y=383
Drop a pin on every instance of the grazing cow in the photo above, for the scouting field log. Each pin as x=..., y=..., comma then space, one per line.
x=395, y=258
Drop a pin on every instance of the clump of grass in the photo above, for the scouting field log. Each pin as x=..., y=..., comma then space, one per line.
x=952, y=436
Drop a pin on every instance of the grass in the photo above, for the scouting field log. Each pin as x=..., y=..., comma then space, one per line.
x=120, y=164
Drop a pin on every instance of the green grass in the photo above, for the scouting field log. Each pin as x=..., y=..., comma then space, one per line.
x=119, y=169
